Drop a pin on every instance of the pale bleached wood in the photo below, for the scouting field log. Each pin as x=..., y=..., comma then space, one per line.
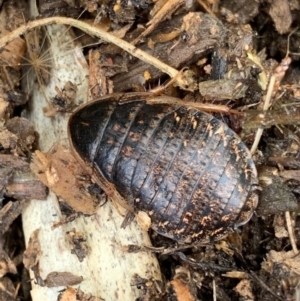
x=107, y=270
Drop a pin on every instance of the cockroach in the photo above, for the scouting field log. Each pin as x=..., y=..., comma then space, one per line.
x=186, y=169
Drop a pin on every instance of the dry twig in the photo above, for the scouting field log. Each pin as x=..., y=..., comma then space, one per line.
x=274, y=84
x=182, y=80
x=166, y=10
x=272, y=89
x=291, y=232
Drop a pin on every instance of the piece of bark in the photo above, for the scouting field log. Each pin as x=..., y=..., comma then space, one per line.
x=18, y=136
x=200, y=33
x=12, y=54
x=25, y=186
x=58, y=7
x=288, y=162
x=240, y=12
x=281, y=15
x=8, y=140
x=255, y=118
x=291, y=175
x=273, y=192
x=78, y=294
x=223, y=89
x=7, y=289
x=6, y=264
x=13, y=162
x=181, y=287
x=17, y=181
x=22, y=128
x=9, y=213
x=16, y=98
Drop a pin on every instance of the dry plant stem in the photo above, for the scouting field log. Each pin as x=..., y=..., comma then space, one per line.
x=291, y=232
x=206, y=7
x=157, y=7
x=264, y=286
x=274, y=84
x=265, y=108
x=215, y=6
x=214, y=290
x=272, y=89
x=97, y=32
x=279, y=73
x=168, y=8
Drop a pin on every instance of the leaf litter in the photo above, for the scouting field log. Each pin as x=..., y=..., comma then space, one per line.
x=239, y=77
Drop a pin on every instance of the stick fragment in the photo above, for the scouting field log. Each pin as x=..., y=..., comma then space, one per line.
x=183, y=81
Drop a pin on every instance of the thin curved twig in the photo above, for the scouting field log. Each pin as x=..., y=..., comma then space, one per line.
x=183, y=80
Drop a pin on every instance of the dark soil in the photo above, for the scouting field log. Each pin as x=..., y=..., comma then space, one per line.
x=234, y=48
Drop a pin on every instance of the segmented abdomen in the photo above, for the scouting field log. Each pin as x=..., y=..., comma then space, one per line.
x=186, y=169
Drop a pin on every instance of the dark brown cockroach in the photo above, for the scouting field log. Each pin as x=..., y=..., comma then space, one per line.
x=186, y=169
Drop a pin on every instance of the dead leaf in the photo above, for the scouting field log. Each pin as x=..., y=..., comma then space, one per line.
x=60, y=171
x=54, y=279
x=245, y=290
x=33, y=252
